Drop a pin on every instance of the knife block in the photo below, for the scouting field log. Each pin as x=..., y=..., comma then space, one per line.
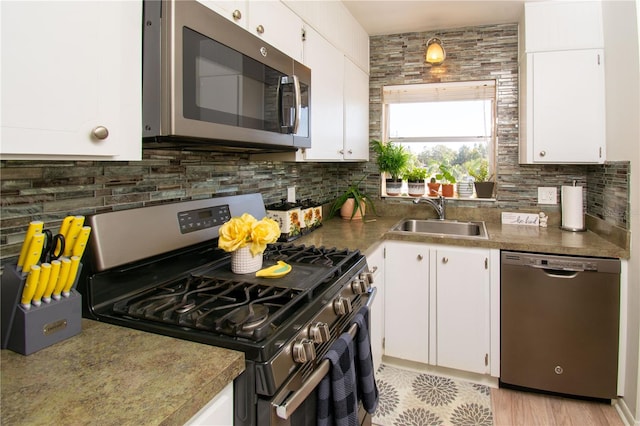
x=26, y=331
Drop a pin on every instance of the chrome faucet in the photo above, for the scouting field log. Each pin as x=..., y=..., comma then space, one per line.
x=439, y=205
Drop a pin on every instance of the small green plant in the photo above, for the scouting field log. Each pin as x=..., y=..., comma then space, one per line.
x=392, y=158
x=353, y=191
x=416, y=174
x=480, y=173
x=445, y=176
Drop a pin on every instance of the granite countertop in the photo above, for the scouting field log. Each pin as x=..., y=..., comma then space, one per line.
x=111, y=375
x=366, y=235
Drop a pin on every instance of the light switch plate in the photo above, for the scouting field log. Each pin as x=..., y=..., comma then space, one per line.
x=547, y=195
x=291, y=194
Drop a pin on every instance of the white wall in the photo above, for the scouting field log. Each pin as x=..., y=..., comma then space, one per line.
x=622, y=71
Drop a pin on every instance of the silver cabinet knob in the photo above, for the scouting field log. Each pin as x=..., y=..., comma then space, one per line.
x=100, y=132
x=237, y=15
x=543, y=153
x=260, y=29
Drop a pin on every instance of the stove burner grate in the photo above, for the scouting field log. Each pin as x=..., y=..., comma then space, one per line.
x=234, y=308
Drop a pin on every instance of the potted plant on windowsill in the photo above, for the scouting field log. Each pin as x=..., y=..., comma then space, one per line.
x=482, y=180
x=392, y=160
x=352, y=203
x=416, y=181
x=447, y=180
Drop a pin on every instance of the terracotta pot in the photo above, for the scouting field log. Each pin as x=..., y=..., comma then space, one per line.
x=433, y=189
x=394, y=186
x=346, y=211
x=447, y=189
x=416, y=188
x=484, y=189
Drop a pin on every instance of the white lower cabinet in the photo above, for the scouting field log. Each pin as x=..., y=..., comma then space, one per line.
x=375, y=261
x=438, y=305
x=406, y=305
x=218, y=411
x=462, y=320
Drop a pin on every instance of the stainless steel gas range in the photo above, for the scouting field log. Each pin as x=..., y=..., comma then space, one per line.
x=159, y=269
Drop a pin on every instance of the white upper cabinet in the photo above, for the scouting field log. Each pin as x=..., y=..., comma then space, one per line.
x=71, y=80
x=563, y=25
x=270, y=20
x=562, y=86
x=327, y=87
x=276, y=24
x=356, y=113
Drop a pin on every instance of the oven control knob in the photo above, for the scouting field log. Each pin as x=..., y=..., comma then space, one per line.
x=359, y=286
x=304, y=351
x=319, y=332
x=368, y=277
x=342, y=306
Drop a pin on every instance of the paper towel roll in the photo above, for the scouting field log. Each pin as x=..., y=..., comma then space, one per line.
x=572, y=212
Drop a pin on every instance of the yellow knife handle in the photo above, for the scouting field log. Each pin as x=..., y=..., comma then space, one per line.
x=34, y=252
x=81, y=242
x=30, y=286
x=72, y=234
x=64, y=228
x=65, y=268
x=53, y=280
x=45, y=273
x=73, y=272
x=35, y=227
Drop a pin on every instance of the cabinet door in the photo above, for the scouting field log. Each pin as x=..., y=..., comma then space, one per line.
x=276, y=24
x=327, y=117
x=218, y=411
x=356, y=113
x=566, y=106
x=375, y=262
x=70, y=73
x=233, y=10
x=462, y=309
x=406, y=307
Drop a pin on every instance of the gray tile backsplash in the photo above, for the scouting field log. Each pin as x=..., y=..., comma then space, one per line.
x=49, y=190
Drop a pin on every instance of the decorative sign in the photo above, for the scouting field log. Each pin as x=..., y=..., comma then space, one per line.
x=529, y=219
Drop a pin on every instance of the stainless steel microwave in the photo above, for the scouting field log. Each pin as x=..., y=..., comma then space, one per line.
x=210, y=85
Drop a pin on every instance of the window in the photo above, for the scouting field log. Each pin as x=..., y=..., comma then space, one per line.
x=443, y=123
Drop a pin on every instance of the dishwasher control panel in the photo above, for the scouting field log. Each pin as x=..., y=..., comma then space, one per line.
x=561, y=263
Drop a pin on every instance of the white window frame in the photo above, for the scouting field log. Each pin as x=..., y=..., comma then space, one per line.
x=434, y=92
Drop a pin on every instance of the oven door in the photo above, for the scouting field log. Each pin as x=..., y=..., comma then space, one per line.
x=227, y=84
x=295, y=403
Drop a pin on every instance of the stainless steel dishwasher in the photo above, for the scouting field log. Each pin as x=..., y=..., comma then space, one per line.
x=559, y=319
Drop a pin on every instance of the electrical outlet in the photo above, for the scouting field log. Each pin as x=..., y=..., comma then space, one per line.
x=291, y=194
x=547, y=195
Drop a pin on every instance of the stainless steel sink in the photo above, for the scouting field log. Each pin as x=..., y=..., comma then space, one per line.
x=444, y=228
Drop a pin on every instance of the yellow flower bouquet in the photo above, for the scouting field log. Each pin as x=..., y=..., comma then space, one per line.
x=245, y=231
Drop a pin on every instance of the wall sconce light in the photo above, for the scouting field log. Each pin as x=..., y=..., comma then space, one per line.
x=435, y=52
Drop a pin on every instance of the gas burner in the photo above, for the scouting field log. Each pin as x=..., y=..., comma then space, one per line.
x=248, y=317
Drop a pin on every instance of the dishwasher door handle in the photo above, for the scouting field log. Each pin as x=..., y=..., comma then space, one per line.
x=560, y=273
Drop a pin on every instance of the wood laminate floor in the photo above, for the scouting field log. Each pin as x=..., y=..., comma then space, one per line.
x=515, y=408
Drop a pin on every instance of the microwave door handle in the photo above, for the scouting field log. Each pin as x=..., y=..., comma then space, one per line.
x=298, y=98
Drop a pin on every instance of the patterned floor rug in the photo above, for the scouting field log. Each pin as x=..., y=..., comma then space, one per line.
x=409, y=398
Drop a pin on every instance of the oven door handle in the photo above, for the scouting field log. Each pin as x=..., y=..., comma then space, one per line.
x=291, y=404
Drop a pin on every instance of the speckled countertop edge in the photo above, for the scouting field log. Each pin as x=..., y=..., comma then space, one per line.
x=111, y=375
